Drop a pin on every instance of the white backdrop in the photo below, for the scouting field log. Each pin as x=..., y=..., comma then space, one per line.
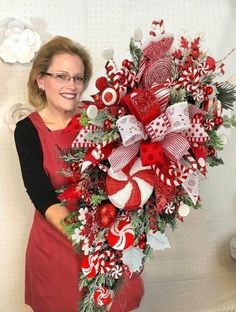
x=197, y=273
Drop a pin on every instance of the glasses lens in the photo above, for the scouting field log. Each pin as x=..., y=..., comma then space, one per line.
x=79, y=79
x=61, y=77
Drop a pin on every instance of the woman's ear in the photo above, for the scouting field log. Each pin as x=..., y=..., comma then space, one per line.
x=40, y=83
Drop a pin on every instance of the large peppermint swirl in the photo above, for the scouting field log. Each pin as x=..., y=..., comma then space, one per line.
x=157, y=72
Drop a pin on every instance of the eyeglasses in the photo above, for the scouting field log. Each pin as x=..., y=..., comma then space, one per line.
x=64, y=78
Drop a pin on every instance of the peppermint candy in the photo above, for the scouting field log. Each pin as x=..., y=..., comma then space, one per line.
x=121, y=235
x=116, y=272
x=88, y=267
x=102, y=296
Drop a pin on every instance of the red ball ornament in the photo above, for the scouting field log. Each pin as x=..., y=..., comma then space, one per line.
x=106, y=215
x=101, y=83
x=218, y=121
x=209, y=90
x=102, y=296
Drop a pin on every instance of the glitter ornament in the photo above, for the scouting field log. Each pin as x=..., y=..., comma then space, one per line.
x=101, y=83
x=106, y=215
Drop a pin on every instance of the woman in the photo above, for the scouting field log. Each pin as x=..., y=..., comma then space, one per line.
x=59, y=75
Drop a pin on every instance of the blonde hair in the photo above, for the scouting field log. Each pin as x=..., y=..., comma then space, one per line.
x=57, y=45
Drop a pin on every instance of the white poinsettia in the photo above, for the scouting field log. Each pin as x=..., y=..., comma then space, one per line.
x=21, y=42
x=76, y=237
x=82, y=215
x=86, y=246
x=133, y=257
x=157, y=240
x=15, y=113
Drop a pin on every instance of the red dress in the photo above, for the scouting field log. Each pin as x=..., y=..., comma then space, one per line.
x=52, y=267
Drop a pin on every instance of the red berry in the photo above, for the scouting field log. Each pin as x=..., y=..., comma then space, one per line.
x=209, y=90
x=210, y=151
x=218, y=121
x=195, y=54
x=142, y=244
x=107, y=124
x=211, y=63
x=126, y=63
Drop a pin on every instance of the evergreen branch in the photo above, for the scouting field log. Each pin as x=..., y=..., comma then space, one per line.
x=97, y=199
x=215, y=141
x=226, y=94
x=229, y=122
x=214, y=161
x=136, y=53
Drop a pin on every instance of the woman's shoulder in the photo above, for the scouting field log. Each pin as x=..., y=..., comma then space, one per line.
x=25, y=125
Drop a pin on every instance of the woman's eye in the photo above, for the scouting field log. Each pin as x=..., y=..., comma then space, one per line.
x=62, y=76
x=79, y=79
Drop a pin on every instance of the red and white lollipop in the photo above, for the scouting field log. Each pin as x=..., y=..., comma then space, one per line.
x=88, y=267
x=131, y=187
x=102, y=296
x=121, y=235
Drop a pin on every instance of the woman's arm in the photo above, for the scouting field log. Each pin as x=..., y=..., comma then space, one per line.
x=36, y=181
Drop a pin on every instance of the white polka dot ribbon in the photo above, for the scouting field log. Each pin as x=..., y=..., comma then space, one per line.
x=175, y=119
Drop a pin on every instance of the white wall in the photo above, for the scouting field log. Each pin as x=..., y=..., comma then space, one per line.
x=197, y=273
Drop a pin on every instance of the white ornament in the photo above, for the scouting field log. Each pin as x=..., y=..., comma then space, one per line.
x=138, y=35
x=92, y=111
x=232, y=80
x=223, y=139
x=183, y=210
x=21, y=42
x=108, y=53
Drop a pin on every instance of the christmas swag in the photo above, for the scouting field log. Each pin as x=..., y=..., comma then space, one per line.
x=143, y=144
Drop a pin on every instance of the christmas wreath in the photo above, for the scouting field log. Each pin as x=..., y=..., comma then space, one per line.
x=143, y=143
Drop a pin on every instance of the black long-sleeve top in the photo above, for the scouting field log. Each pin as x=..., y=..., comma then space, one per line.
x=36, y=181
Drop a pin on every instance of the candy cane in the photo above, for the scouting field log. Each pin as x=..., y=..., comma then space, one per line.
x=191, y=161
x=154, y=25
x=109, y=69
x=97, y=152
x=106, y=261
x=103, y=167
x=173, y=182
x=142, y=65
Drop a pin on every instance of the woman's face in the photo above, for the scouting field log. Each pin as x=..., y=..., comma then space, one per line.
x=63, y=92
